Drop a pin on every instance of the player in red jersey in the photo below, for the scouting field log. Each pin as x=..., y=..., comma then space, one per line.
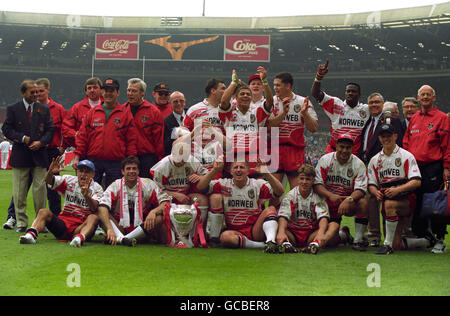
x=79, y=217
x=247, y=225
x=348, y=116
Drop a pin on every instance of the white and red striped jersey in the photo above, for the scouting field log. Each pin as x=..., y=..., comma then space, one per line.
x=341, y=179
x=301, y=213
x=74, y=202
x=175, y=179
x=345, y=119
x=241, y=205
x=208, y=154
x=396, y=169
x=200, y=111
x=242, y=128
x=291, y=129
x=152, y=195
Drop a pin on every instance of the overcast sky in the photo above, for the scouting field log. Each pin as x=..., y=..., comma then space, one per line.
x=214, y=8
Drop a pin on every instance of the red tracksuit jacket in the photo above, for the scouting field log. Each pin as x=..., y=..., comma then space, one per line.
x=58, y=113
x=111, y=140
x=149, y=125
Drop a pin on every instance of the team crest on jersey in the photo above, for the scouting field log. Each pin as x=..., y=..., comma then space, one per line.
x=252, y=118
x=234, y=117
x=251, y=193
x=210, y=151
x=398, y=162
x=430, y=126
x=362, y=114
x=349, y=172
x=297, y=108
x=117, y=121
x=144, y=118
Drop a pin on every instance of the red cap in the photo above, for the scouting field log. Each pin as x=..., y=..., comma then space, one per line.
x=253, y=77
x=346, y=136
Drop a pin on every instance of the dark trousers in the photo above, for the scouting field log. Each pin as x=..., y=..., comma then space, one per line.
x=110, y=168
x=53, y=197
x=146, y=162
x=432, y=180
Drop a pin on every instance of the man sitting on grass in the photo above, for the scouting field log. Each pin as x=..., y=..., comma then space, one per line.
x=247, y=225
x=303, y=216
x=137, y=205
x=79, y=218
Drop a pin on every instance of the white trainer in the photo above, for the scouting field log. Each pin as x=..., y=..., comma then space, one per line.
x=10, y=223
x=439, y=247
x=27, y=239
x=76, y=242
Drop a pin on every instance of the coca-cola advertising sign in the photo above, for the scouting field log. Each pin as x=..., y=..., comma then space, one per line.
x=117, y=46
x=247, y=48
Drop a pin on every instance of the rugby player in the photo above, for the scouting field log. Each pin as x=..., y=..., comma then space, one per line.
x=292, y=113
x=348, y=116
x=79, y=218
x=341, y=178
x=242, y=123
x=136, y=205
x=303, y=215
x=247, y=225
x=393, y=177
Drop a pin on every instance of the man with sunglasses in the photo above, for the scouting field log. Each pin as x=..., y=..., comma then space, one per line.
x=161, y=94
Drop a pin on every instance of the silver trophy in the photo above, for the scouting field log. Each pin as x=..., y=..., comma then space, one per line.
x=183, y=218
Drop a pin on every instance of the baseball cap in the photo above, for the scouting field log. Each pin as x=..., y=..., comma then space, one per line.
x=87, y=163
x=346, y=136
x=161, y=87
x=387, y=128
x=111, y=83
x=253, y=77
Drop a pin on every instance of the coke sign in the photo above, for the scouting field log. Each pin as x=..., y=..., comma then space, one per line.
x=117, y=46
x=247, y=48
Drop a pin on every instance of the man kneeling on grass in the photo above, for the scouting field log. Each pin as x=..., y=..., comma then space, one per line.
x=303, y=216
x=247, y=225
x=79, y=218
x=136, y=205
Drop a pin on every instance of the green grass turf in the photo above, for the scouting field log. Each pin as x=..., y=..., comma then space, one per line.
x=157, y=270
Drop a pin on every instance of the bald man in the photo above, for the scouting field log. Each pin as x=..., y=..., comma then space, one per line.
x=427, y=138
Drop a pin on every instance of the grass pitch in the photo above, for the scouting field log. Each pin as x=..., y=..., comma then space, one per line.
x=54, y=268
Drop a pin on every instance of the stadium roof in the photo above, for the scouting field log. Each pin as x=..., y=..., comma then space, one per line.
x=430, y=14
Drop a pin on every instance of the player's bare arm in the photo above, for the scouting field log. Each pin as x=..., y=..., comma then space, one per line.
x=276, y=185
x=375, y=192
x=268, y=104
x=281, y=234
x=323, y=192
x=409, y=186
x=203, y=184
x=316, y=92
x=276, y=121
x=311, y=124
x=55, y=167
x=103, y=215
x=226, y=97
x=150, y=220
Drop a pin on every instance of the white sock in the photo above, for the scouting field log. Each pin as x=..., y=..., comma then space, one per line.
x=137, y=233
x=391, y=226
x=214, y=224
x=270, y=228
x=117, y=231
x=360, y=229
x=250, y=244
x=417, y=243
